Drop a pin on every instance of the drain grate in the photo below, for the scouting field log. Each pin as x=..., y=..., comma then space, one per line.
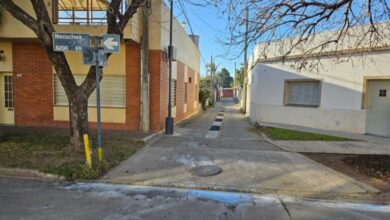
x=206, y=170
x=215, y=128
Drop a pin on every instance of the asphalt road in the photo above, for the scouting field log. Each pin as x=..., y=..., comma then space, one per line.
x=33, y=199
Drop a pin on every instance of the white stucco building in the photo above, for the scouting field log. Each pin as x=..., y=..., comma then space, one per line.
x=347, y=93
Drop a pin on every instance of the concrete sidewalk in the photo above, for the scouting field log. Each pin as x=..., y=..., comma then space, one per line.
x=335, y=147
x=364, y=144
x=249, y=163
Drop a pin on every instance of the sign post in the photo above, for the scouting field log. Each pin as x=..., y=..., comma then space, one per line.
x=94, y=56
x=97, y=71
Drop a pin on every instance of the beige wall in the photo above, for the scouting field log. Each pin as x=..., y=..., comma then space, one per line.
x=116, y=63
x=187, y=52
x=12, y=28
x=6, y=63
x=109, y=115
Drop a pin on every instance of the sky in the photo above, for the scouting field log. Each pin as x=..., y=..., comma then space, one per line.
x=211, y=27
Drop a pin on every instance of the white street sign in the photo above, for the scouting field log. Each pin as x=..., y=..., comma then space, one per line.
x=111, y=43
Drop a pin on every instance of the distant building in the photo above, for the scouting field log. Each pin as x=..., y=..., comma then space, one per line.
x=31, y=95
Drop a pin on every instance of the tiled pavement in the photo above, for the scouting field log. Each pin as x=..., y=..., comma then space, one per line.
x=249, y=163
x=235, y=132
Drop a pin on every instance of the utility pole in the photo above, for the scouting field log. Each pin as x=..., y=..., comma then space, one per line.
x=145, y=76
x=244, y=93
x=169, y=119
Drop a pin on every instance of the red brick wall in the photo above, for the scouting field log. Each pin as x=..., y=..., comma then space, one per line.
x=180, y=92
x=33, y=85
x=133, y=85
x=155, y=58
x=163, y=93
x=33, y=90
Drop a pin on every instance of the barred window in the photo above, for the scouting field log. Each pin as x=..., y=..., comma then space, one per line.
x=112, y=92
x=303, y=93
x=8, y=92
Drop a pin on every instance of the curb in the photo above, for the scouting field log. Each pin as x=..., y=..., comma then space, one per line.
x=28, y=174
x=274, y=143
x=197, y=114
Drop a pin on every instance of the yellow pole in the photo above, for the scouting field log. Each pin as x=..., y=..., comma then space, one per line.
x=100, y=153
x=87, y=151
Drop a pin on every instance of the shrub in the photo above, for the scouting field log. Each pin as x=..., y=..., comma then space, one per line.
x=204, y=94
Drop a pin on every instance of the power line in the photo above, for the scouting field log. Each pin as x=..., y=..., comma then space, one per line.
x=186, y=16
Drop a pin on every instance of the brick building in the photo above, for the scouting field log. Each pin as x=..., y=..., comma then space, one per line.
x=31, y=95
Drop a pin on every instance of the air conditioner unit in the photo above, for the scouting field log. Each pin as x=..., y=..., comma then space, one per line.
x=174, y=53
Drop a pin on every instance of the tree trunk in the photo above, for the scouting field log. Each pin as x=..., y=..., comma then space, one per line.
x=79, y=119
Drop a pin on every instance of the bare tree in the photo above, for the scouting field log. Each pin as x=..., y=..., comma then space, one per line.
x=41, y=24
x=308, y=27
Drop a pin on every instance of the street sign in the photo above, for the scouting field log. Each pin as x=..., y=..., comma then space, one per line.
x=89, y=57
x=111, y=43
x=70, y=41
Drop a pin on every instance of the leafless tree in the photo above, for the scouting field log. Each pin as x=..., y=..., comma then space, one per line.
x=308, y=27
x=41, y=24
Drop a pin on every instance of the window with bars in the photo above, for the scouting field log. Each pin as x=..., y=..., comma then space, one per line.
x=185, y=92
x=303, y=93
x=8, y=92
x=112, y=92
x=82, y=11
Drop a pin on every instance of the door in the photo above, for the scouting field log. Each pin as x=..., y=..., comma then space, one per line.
x=378, y=109
x=6, y=99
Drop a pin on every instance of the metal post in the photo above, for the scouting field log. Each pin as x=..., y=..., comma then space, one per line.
x=244, y=93
x=97, y=70
x=169, y=119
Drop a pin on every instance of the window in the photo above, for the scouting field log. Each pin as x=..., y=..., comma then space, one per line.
x=174, y=89
x=303, y=93
x=112, y=92
x=185, y=92
x=82, y=11
x=8, y=92
x=382, y=92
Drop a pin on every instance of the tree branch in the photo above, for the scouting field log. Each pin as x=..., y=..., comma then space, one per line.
x=20, y=14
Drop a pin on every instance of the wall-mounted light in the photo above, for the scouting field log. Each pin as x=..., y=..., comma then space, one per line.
x=2, y=57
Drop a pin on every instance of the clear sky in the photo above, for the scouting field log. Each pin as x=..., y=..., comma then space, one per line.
x=211, y=27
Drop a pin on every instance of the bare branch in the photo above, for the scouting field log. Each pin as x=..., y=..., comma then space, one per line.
x=20, y=14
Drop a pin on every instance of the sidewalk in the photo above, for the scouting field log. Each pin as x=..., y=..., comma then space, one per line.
x=364, y=144
x=248, y=163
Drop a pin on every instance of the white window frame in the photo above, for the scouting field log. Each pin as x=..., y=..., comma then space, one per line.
x=310, y=103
